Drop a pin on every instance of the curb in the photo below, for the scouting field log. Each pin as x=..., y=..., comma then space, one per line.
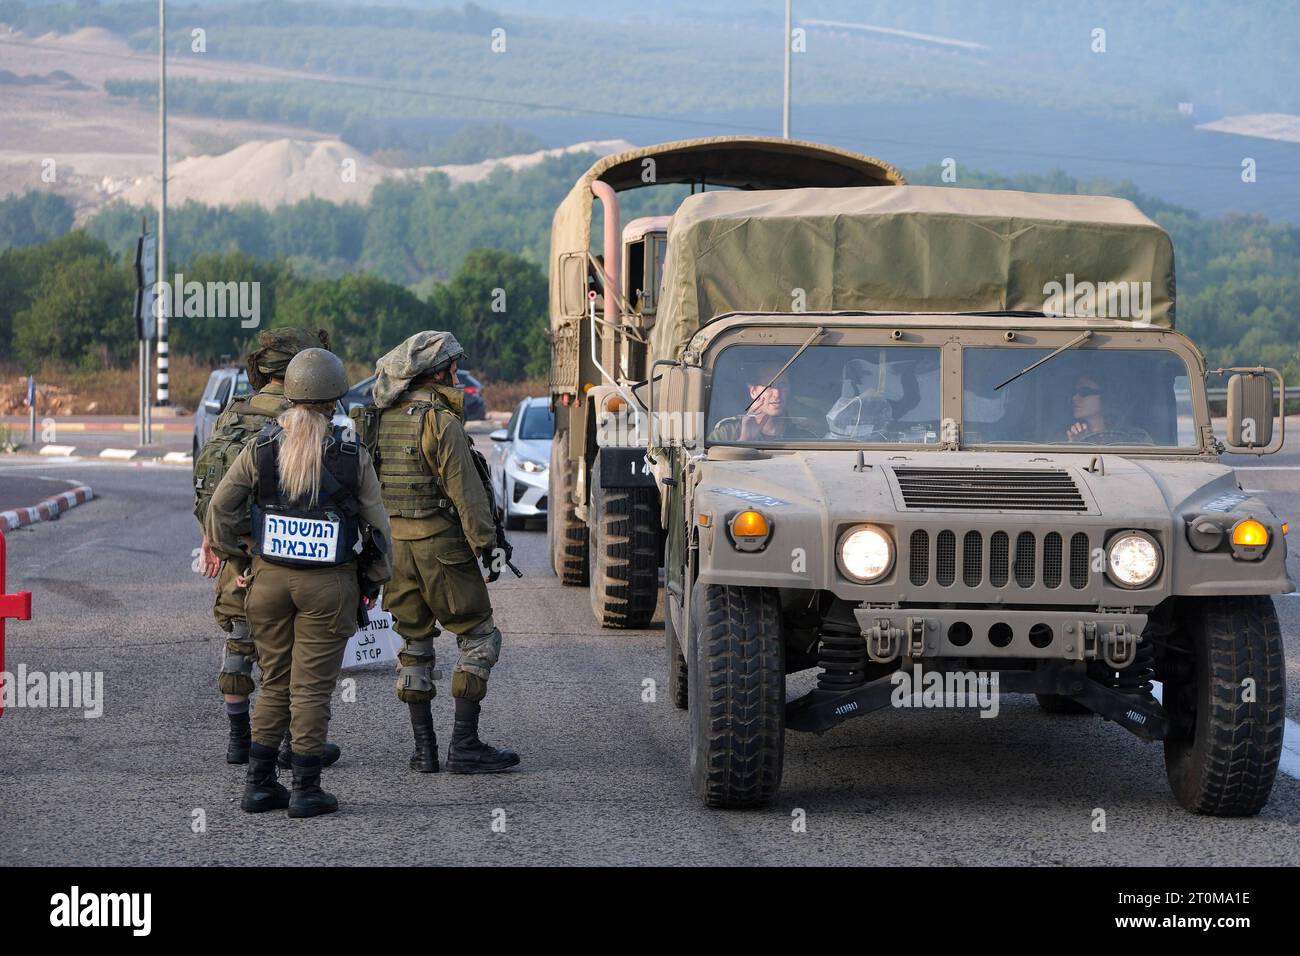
x=116, y=454
x=46, y=510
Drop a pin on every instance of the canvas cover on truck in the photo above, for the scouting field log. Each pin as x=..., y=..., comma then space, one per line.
x=908, y=249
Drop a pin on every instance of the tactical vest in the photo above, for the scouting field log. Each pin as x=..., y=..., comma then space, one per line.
x=285, y=531
x=239, y=424
x=408, y=484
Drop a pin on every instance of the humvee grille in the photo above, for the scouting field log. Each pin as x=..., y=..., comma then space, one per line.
x=999, y=562
x=919, y=571
x=1079, y=560
x=1025, y=560
x=946, y=558
x=972, y=559
x=1052, y=560
x=1011, y=489
x=1032, y=561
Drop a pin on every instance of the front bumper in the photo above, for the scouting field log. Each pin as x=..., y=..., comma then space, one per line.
x=526, y=493
x=1079, y=635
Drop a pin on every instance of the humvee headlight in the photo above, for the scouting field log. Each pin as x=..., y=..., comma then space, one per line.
x=866, y=554
x=749, y=530
x=1133, y=559
x=1249, y=539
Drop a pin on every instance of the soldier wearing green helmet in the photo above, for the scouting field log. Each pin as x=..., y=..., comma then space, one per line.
x=319, y=555
x=442, y=520
x=236, y=427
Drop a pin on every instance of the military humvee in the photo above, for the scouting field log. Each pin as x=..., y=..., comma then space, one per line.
x=951, y=439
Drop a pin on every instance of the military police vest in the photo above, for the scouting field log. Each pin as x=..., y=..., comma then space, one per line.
x=286, y=531
x=408, y=484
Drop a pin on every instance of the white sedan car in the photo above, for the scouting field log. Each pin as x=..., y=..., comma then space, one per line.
x=520, y=459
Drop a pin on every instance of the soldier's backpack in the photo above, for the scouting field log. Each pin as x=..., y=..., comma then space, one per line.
x=239, y=424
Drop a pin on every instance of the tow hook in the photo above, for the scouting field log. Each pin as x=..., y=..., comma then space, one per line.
x=1113, y=643
x=884, y=641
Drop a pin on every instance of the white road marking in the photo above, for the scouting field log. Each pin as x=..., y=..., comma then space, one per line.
x=61, y=450
x=120, y=454
x=1289, y=763
x=1267, y=467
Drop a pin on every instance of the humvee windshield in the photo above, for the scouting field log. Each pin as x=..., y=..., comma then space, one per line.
x=832, y=393
x=1084, y=396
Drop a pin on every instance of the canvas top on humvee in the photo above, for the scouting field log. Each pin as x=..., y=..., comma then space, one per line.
x=954, y=433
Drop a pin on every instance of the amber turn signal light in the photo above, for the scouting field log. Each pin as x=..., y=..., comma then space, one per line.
x=749, y=524
x=1249, y=534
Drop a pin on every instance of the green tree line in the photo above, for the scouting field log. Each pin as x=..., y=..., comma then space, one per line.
x=1238, y=276
x=69, y=301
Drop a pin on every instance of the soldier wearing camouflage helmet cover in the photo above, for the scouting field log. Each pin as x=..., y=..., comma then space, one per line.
x=442, y=521
x=237, y=425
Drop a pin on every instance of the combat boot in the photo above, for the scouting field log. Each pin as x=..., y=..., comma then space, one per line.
x=241, y=736
x=425, y=757
x=328, y=757
x=262, y=791
x=468, y=754
x=308, y=799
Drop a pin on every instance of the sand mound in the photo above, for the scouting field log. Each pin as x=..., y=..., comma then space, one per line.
x=476, y=172
x=1284, y=127
x=276, y=172
x=269, y=173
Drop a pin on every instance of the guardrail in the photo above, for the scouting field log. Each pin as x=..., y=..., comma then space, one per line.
x=1221, y=393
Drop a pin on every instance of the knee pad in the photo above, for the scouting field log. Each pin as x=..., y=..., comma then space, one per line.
x=236, y=677
x=416, y=675
x=468, y=686
x=479, y=652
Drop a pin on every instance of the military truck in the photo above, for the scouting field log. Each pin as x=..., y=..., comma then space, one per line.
x=950, y=439
x=603, y=527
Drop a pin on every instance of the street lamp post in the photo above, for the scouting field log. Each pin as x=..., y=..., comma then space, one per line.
x=785, y=110
x=163, y=391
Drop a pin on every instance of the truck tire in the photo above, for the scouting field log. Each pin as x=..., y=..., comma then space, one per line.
x=736, y=680
x=677, y=679
x=566, y=535
x=624, y=553
x=1057, y=704
x=1221, y=751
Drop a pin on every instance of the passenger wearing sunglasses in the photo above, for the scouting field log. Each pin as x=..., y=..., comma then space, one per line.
x=1093, y=424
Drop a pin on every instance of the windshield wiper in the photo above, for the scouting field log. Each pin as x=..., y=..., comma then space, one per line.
x=1082, y=337
x=817, y=333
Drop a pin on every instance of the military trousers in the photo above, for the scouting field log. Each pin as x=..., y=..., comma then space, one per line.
x=436, y=581
x=301, y=619
x=236, y=676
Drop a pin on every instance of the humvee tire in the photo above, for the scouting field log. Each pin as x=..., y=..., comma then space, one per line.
x=566, y=535
x=677, y=681
x=623, y=524
x=1058, y=704
x=736, y=679
x=1222, y=752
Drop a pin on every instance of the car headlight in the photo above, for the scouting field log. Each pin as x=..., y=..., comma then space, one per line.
x=528, y=465
x=1133, y=559
x=866, y=554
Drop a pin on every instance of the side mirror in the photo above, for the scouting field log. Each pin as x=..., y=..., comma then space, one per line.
x=1251, y=410
x=500, y=435
x=212, y=406
x=672, y=425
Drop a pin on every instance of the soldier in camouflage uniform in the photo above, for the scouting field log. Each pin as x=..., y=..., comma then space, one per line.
x=442, y=519
x=241, y=421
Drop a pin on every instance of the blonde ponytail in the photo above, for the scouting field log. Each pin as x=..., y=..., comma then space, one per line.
x=303, y=450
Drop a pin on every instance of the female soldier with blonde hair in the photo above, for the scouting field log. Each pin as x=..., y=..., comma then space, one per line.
x=315, y=505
